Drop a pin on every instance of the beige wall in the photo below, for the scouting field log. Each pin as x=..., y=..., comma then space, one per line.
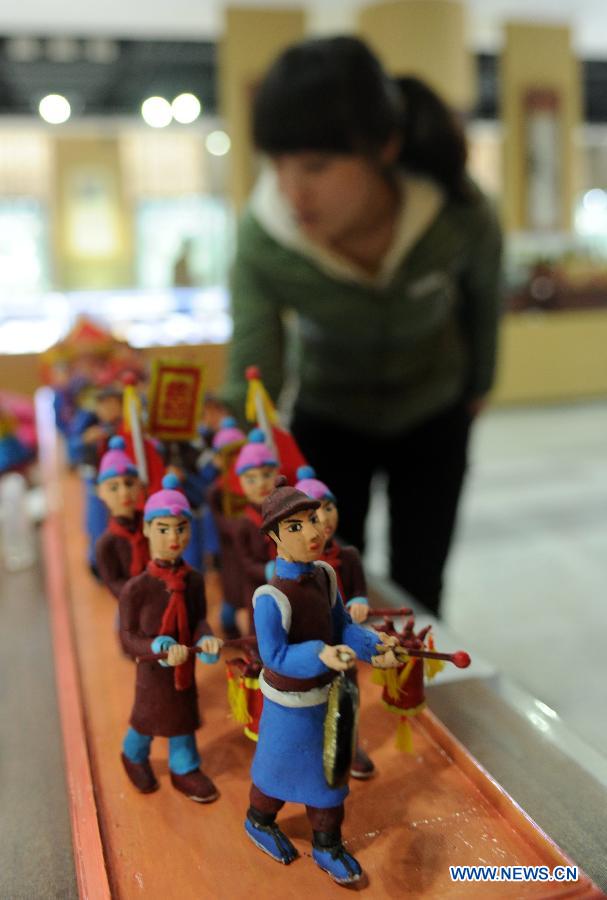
x=92, y=222
x=252, y=38
x=426, y=38
x=553, y=357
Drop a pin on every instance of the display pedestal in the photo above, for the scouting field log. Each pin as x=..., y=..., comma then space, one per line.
x=420, y=814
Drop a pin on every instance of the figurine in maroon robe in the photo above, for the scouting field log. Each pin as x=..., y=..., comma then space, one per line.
x=350, y=574
x=122, y=550
x=227, y=441
x=163, y=611
x=256, y=467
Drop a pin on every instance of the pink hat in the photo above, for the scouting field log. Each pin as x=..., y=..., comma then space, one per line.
x=229, y=433
x=167, y=502
x=255, y=454
x=115, y=462
x=310, y=485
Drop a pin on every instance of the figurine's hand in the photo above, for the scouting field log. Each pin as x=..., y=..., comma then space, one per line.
x=359, y=612
x=211, y=646
x=387, y=640
x=92, y=434
x=177, y=654
x=339, y=657
x=386, y=660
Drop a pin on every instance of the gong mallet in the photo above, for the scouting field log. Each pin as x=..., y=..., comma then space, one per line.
x=390, y=612
x=243, y=643
x=460, y=658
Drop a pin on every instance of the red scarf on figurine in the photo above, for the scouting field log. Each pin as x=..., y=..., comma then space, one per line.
x=332, y=555
x=140, y=552
x=175, y=617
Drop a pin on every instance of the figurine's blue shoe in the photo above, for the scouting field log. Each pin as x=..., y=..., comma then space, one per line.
x=342, y=867
x=272, y=841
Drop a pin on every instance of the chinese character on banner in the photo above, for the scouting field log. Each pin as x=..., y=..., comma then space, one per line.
x=175, y=400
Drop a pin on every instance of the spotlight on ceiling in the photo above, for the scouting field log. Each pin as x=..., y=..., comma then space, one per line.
x=218, y=143
x=54, y=109
x=186, y=108
x=157, y=112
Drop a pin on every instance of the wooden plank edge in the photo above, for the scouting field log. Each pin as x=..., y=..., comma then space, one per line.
x=507, y=806
x=89, y=861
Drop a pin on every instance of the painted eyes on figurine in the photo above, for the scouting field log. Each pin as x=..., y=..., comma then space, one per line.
x=294, y=527
x=314, y=519
x=182, y=528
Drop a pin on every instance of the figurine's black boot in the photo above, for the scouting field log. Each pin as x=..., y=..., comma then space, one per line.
x=265, y=833
x=141, y=775
x=330, y=854
x=362, y=766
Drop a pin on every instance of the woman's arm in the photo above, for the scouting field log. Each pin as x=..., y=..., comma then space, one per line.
x=481, y=287
x=258, y=337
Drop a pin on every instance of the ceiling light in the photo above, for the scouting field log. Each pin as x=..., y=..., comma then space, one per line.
x=157, y=112
x=54, y=109
x=218, y=143
x=186, y=108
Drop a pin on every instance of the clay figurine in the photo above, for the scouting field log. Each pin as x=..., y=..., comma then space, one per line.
x=256, y=466
x=122, y=550
x=163, y=610
x=306, y=638
x=226, y=443
x=350, y=575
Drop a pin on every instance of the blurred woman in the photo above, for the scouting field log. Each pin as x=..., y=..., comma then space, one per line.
x=366, y=225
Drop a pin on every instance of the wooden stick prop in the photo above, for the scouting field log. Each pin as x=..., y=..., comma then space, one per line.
x=390, y=612
x=243, y=643
x=460, y=658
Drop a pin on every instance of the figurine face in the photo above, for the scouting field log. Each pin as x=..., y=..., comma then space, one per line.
x=120, y=494
x=300, y=537
x=168, y=537
x=109, y=410
x=329, y=517
x=258, y=483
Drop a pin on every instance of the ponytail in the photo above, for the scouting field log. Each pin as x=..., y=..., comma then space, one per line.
x=433, y=139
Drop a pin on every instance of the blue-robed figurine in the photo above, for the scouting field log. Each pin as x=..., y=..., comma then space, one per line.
x=306, y=638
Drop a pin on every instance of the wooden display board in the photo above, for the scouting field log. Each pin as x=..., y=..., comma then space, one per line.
x=419, y=815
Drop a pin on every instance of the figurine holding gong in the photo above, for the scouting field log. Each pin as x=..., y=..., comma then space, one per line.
x=306, y=639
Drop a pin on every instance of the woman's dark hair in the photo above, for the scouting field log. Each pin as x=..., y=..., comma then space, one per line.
x=332, y=95
x=434, y=141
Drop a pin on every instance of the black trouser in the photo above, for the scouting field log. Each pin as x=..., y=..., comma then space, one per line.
x=325, y=821
x=425, y=466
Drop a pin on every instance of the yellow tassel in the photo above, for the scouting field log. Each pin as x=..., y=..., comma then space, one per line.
x=378, y=676
x=237, y=700
x=432, y=666
x=392, y=683
x=404, y=736
x=404, y=675
x=254, y=390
